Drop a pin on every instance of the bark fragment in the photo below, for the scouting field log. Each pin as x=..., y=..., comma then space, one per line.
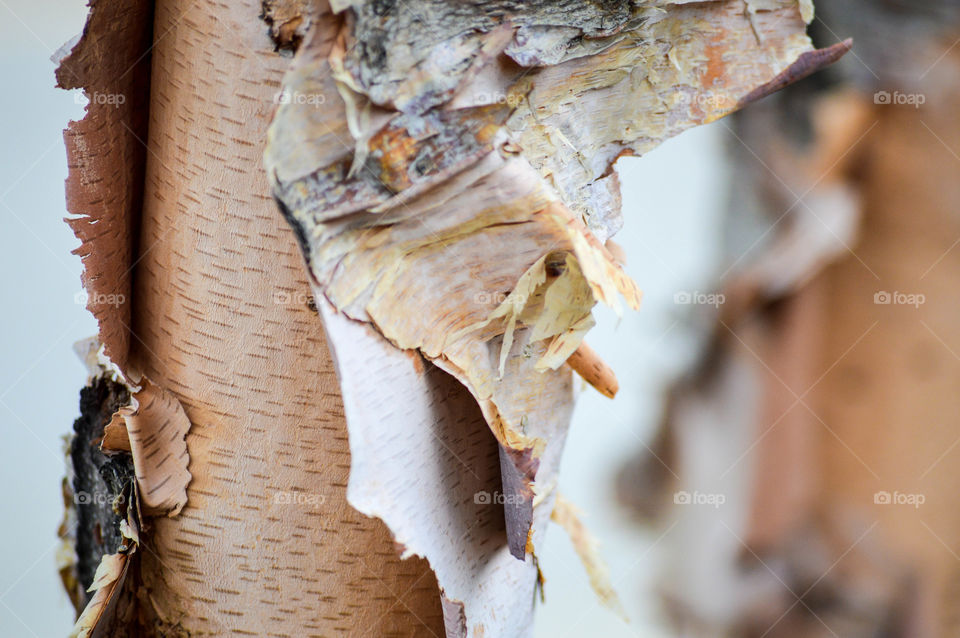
x=437, y=146
x=111, y=610
x=289, y=21
x=107, y=159
x=108, y=580
x=96, y=490
x=155, y=428
x=423, y=460
x=567, y=516
x=594, y=371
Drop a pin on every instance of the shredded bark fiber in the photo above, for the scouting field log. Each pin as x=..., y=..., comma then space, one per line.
x=453, y=196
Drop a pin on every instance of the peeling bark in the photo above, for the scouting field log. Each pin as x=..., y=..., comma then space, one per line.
x=95, y=482
x=106, y=157
x=448, y=172
x=153, y=430
x=219, y=318
x=435, y=147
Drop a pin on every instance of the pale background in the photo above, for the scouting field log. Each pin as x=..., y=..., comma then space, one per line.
x=672, y=199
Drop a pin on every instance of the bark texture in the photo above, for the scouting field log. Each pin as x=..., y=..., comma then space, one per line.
x=221, y=319
x=448, y=172
x=458, y=137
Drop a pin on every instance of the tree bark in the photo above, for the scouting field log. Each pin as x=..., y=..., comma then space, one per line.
x=494, y=126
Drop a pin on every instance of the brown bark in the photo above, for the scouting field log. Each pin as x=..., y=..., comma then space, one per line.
x=218, y=323
x=262, y=397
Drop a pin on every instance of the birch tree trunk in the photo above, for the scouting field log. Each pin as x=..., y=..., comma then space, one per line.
x=448, y=173
x=222, y=318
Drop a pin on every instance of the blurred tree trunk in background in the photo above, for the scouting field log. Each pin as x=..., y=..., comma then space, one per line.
x=825, y=405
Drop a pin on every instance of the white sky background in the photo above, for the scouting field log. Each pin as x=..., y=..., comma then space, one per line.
x=39, y=375
x=672, y=199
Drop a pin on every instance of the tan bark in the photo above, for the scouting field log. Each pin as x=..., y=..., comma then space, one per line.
x=262, y=396
x=281, y=533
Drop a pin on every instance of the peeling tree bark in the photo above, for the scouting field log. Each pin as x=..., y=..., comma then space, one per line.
x=448, y=172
